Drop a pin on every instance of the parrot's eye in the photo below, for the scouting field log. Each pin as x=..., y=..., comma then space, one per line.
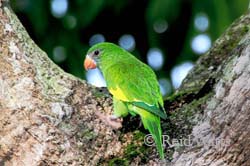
x=96, y=52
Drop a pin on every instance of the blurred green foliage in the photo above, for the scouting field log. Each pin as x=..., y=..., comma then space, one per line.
x=112, y=18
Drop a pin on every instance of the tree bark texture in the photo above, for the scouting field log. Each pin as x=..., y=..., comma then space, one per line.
x=47, y=116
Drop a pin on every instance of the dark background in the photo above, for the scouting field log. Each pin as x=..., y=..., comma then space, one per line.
x=173, y=33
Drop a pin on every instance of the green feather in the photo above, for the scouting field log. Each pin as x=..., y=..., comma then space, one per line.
x=152, y=123
x=151, y=108
x=120, y=108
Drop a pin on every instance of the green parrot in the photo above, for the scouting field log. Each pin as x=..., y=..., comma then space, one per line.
x=132, y=83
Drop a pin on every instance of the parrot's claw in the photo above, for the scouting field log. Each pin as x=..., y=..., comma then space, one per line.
x=113, y=117
x=111, y=120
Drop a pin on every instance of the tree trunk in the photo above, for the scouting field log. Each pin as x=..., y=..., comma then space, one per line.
x=47, y=117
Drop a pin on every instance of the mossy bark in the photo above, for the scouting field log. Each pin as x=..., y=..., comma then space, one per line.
x=47, y=117
x=212, y=106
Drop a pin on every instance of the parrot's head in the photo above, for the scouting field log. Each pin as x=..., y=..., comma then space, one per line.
x=101, y=54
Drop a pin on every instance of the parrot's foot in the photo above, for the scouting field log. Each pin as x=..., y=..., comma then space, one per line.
x=113, y=117
x=111, y=120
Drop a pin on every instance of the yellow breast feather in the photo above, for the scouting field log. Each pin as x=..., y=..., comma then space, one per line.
x=118, y=93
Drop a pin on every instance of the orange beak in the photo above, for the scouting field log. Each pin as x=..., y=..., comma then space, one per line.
x=89, y=63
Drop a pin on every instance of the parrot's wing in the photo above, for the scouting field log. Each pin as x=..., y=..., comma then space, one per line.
x=135, y=83
x=151, y=108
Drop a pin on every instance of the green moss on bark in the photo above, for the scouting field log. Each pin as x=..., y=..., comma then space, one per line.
x=135, y=149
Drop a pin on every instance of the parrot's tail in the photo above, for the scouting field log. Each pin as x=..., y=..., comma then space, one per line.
x=153, y=124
